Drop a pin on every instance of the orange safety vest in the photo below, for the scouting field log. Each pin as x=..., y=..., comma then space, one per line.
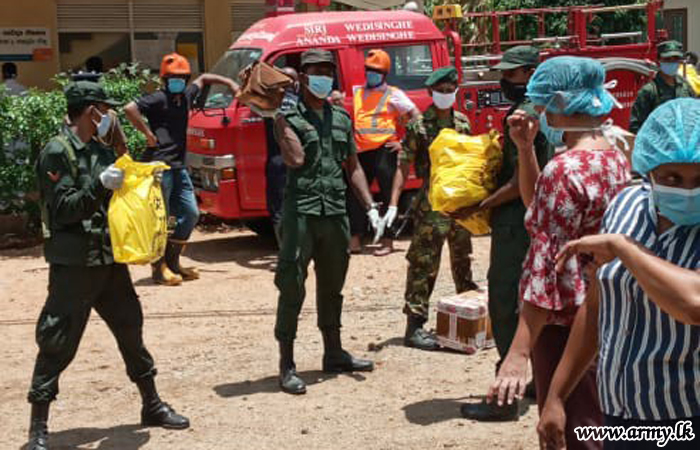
x=375, y=122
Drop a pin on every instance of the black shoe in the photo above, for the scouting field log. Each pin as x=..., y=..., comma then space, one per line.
x=38, y=429
x=345, y=362
x=163, y=415
x=490, y=412
x=290, y=381
x=417, y=337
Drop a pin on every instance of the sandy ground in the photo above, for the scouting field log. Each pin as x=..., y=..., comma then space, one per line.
x=213, y=345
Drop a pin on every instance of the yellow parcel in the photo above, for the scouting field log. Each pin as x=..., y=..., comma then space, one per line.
x=463, y=173
x=138, y=222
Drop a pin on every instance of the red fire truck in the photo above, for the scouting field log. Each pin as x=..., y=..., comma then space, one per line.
x=227, y=142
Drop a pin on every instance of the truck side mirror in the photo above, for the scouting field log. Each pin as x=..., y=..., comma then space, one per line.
x=201, y=98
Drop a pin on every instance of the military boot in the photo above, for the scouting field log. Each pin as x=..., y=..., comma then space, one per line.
x=155, y=412
x=38, y=429
x=172, y=257
x=337, y=360
x=490, y=412
x=290, y=381
x=162, y=275
x=416, y=336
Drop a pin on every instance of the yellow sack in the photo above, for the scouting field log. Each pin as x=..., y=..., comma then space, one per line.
x=463, y=173
x=692, y=76
x=138, y=222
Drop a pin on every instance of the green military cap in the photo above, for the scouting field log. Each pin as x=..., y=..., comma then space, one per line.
x=80, y=92
x=522, y=55
x=317, y=56
x=448, y=73
x=670, y=49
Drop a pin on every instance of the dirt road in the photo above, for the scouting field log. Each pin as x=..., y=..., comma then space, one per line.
x=213, y=345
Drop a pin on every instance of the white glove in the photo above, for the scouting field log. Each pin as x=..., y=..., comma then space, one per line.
x=112, y=178
x=373, y=216
x=390, y=216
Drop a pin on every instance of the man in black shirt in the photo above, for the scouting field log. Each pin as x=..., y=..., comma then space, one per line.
x=167, y=111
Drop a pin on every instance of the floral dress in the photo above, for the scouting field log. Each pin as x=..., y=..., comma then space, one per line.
x=571, y=195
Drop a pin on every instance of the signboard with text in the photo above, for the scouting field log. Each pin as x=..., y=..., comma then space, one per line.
x=25, y=44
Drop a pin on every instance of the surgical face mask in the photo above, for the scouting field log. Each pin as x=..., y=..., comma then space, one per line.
x=444, y=101
x=374, y=79
x=176, y=85
x=512, y=91
x=320, y=86
x=104, y=125
x=680, y=206
x=670, y=68
x=555, y=136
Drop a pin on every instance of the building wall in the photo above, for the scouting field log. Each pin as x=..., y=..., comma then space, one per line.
x=217, y=29
x=33, y=13
x=693, y=7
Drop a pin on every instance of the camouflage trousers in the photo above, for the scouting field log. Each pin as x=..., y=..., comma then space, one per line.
x=430, y=231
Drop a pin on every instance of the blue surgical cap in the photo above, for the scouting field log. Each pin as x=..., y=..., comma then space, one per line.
x=571, y=85
x=671, y=134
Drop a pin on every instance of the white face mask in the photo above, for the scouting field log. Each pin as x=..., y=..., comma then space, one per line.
x=444, y=101
x=104, y=125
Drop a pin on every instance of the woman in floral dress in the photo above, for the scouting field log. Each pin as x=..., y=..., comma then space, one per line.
x=565, y=201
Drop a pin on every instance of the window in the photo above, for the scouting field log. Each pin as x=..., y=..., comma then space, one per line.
x=676, y=23
x=229, y=66
x=411, y=65
x=293, y=60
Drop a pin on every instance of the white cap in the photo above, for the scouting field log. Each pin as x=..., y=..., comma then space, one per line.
x=411, y=6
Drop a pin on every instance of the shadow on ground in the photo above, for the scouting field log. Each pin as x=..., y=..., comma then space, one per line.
x=429, y=412
x=271, y=384
x=122, y=437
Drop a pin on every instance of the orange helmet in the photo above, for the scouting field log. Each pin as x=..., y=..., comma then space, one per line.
x=378, y=60
x=174, y=64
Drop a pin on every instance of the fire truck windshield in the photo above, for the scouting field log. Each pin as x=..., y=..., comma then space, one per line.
x=229, y=66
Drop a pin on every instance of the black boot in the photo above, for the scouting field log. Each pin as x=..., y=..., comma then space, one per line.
x=155, y=412
x=38, y=430
x=416, y=336
x=337, y=360
x=172, y=257
x=490, y=412
x=290, y=381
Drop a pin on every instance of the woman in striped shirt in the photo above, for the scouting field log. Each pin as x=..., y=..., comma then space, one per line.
x=642, y=318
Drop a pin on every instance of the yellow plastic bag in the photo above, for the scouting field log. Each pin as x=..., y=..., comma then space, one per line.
x=138, y=222
x=692, y=76
x=463, y=173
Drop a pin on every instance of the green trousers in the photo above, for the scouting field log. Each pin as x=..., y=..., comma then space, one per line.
x=73, y=292
x=430, y=231
x=325, y=240
x=509, y=245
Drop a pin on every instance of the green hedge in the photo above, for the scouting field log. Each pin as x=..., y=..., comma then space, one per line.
x=28, y=122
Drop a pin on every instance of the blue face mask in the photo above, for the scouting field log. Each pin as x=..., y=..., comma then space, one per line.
x=176, y=85
x=670, y=68
x=680, y=206
x=320, y=85
x=554, y=136
x=374, y=79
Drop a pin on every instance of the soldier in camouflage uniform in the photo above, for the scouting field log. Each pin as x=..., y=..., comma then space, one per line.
x=665, y=86
x=430, y=227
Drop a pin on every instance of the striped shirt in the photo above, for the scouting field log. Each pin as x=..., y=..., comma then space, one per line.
x=649, y=363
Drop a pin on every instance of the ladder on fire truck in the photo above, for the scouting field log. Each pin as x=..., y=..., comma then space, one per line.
x=629, y=50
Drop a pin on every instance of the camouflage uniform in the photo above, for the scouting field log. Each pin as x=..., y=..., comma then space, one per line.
x=652, y=95
x=430, y=227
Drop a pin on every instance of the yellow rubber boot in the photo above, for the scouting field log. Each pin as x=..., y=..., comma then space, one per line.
x=172, y=257
x=163, y=275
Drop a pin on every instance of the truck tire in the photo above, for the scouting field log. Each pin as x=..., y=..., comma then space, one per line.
x=261, y=227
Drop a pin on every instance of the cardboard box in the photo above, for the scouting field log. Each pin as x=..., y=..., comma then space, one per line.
x=463, y=322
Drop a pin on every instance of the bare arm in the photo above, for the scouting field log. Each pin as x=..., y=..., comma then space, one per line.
x=358, y=181
x=507, y=193
x=136, y=118
x=290, y=145
x=206, y=79
x=523, y=131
